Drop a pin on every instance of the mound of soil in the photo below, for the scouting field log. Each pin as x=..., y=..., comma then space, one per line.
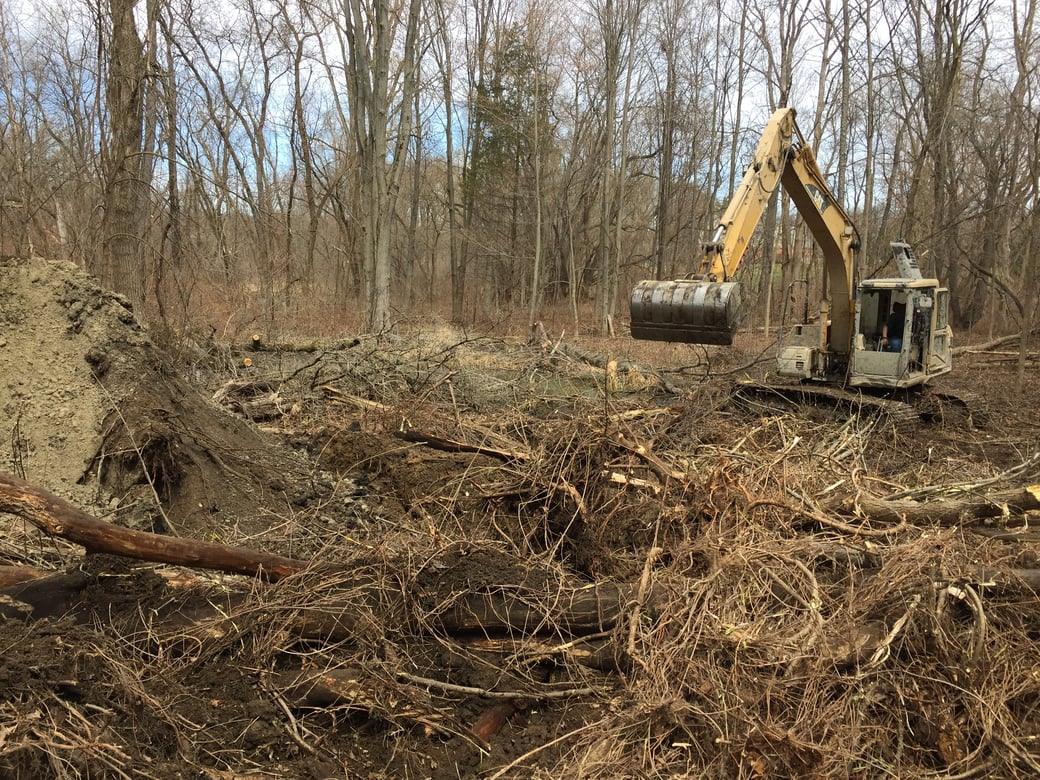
x=97, y=414
x=50, y=319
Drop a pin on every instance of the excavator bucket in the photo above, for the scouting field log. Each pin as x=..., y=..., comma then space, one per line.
x=691, y=311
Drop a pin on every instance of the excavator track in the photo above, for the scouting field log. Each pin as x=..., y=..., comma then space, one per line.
x=906, y=408
x=953, y=407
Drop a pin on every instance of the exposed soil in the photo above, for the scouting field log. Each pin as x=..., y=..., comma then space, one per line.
x=765, y=633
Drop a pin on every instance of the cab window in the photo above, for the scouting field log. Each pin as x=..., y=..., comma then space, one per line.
x=942, y=303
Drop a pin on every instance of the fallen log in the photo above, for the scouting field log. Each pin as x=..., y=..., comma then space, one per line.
x=53, y=595
x=449, y=445
x=255, y=398
x=987, y=346
x=1013, y=579
x=57, y=517
x=575, y=610
x=13, y=575
x=659, y=467
x=355, y=689
x=946, y=512
x=257, y=344
x=358, y=689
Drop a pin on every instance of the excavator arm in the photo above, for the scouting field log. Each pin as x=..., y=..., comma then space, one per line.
x=706, y=308
x=722, y=256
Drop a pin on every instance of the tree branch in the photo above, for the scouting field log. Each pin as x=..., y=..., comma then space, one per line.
x=57, y=517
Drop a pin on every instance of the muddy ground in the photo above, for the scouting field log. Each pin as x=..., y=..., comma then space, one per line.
x=763, y=617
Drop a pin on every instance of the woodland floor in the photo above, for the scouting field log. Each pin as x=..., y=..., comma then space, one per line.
x=765, y=618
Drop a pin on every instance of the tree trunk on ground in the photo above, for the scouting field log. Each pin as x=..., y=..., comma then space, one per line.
x=57, y=517
x=575, y=610
x=962, y=511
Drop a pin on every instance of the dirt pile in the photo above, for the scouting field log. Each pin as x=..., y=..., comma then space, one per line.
x=97, y=414
x=51, y=318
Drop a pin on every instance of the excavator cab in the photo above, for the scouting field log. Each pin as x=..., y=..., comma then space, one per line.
x=924, y=351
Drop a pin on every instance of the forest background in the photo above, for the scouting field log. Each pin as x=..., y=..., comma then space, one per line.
x=324, y=165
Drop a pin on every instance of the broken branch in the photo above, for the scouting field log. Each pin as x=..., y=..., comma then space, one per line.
x=57, y=517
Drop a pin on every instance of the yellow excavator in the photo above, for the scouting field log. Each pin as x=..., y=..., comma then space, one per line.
x=853, y=339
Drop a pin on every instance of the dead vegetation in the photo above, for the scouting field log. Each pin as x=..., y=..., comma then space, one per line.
x=516, y=563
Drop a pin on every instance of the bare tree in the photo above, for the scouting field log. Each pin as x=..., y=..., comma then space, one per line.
x=617, y=24
x=537, y=30
x=378, y=105
x=303, y=163
x=931, y=72
x=288, y=131
x=672, y=31
x=235, y=66
x=481, y=27
x=441, y=50
x=22, y=142
x=338, y=170
x=127, y=159
x=1024, y=97
x=613, y=34
x=781, y=27
x=871, y=130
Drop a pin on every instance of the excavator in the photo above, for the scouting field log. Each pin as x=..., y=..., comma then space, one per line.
x=845, y=343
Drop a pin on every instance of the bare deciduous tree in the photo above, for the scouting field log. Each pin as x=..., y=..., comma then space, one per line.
x=570, y=148
x=380, y=104
x=127, y=156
